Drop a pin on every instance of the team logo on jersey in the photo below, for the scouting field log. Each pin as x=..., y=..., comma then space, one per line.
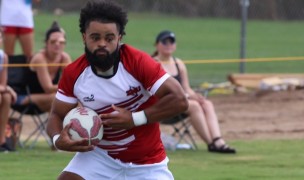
x=133, y=91
x=89, y=99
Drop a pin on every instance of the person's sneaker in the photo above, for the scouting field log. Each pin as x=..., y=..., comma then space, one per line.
x=3, y=150
x=4, y=147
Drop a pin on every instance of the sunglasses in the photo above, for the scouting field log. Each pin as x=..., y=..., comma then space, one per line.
x=54, y=41
x=168, y=41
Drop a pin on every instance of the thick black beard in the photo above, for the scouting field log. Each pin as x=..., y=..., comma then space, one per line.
x=104, y=63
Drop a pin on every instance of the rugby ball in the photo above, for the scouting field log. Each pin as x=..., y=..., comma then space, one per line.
x=85, y=123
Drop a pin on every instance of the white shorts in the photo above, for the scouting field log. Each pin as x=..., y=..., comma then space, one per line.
x=98, y=165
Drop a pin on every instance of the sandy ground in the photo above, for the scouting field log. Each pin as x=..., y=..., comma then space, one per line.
x=274, y=115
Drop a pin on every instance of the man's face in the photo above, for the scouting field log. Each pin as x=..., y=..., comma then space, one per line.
x=101, y=40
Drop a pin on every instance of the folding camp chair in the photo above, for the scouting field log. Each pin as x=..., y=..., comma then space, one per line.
x=181, y=129
x=18, y=78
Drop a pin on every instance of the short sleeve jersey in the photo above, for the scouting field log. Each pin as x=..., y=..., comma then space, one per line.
x=132, y=87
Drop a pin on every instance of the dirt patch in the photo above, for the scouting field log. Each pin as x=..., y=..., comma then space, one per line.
x=273, y=115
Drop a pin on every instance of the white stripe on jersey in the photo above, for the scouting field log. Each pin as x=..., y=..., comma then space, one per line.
x=117, y=143
x=113, y=132
x=158, y=83
x=62, y=97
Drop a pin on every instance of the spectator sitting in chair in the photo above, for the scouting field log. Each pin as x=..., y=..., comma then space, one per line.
x=201, y=111
x=46, y=72
x=7, y=97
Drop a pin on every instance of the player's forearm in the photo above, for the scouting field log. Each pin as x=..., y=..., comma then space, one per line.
x=54, y=125
x=168, y=106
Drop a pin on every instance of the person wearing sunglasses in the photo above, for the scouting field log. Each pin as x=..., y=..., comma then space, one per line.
x=201, y=110
x=46, y=66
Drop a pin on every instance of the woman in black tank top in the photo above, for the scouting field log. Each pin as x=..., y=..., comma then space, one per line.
x=201, y=110
x=44, y=72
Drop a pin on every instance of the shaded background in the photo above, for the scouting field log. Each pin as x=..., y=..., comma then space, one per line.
x=259, y=9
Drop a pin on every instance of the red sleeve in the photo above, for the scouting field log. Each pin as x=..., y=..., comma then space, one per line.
x=70, y=75
x=141, y=65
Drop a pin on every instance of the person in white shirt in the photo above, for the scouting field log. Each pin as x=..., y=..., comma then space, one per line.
x=17, y=23
x=128, y=89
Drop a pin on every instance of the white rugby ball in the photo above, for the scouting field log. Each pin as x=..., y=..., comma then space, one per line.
x=85, y=123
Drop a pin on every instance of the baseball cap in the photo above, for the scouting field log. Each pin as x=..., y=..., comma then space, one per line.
x=164, y=35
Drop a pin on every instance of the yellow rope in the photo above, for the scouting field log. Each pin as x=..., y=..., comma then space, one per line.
x=214, y=61
x=206, y=61
x=33, y=65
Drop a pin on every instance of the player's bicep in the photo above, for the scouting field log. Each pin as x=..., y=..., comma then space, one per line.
x=169, y=86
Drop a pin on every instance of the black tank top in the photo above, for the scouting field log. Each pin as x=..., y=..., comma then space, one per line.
x=34, y=83
x=177, y=76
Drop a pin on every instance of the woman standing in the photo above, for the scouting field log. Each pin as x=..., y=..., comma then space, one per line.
x=17, y=23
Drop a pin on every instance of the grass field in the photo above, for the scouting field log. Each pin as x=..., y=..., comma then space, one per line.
x=197, y=39
x=259, y=159
x=206, y=39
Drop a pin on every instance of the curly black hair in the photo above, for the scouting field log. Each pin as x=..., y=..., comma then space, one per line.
x=105, y=11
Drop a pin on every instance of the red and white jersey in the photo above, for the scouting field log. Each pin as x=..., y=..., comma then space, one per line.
x=133, y=86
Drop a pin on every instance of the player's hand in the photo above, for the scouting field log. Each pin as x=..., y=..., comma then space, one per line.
x=121, y=119
x=65, y=143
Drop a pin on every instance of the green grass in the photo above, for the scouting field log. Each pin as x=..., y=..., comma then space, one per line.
x=256, y=159
x=201, y=38
x=197, y=39
x=259, y=159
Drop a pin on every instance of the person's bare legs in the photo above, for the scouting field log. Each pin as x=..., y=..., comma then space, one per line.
x=9, y=41
x=212, y=121
x=43, y=101
x=4, y=113
x=27, y=44
x=198, y=121
x=218, y=144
